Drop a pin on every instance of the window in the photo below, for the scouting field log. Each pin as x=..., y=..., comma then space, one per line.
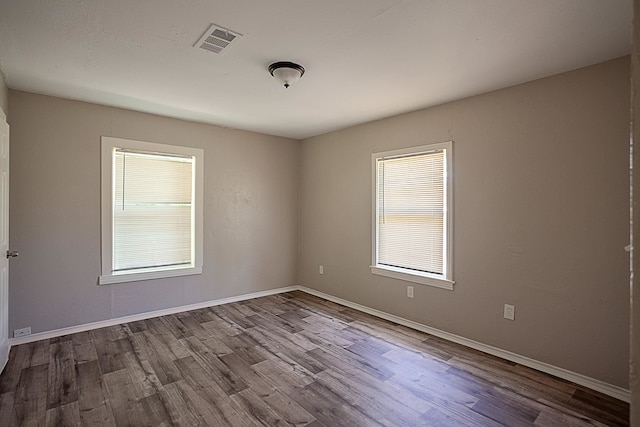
x=151, y=210
x=412, y=225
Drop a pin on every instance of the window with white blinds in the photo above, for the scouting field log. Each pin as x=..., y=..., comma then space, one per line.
x=411, y=214
x=151, y=210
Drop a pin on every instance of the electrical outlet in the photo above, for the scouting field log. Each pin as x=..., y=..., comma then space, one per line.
x=509, y=312
x=22, y=332
x=321, y=269
x=410, y=291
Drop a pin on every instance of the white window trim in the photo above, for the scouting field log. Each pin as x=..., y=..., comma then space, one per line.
x=107, y=167
x=446, y=281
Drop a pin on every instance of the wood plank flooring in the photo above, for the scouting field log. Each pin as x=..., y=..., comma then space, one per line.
x=289, y=359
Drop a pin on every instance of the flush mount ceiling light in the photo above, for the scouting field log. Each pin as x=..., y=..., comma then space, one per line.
x=287, y=73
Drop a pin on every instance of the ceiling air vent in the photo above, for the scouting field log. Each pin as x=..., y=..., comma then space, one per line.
x=216, y=39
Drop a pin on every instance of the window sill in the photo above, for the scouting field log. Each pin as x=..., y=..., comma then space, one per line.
x=108, y=279
x=415, y=277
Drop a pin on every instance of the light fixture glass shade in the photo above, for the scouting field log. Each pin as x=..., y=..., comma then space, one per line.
x=287, y=73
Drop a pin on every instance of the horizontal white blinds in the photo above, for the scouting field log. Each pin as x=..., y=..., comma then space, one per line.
x=152, y=211
x=411, y=212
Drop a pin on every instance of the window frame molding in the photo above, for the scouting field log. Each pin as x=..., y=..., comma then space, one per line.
x=108, y=145
x=445, y=281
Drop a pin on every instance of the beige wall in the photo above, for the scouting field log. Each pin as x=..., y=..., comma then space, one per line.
x=250, y=209
x=541, y=206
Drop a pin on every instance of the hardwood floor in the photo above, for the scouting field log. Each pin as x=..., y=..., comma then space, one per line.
x=288, y=359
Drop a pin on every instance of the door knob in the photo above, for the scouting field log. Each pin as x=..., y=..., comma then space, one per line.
x=12, y=254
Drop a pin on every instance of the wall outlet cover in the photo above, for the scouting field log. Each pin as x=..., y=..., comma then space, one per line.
x=22, y=332
x=509, y=312
x=410, y=291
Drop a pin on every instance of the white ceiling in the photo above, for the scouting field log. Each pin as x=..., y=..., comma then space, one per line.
x=364, y=59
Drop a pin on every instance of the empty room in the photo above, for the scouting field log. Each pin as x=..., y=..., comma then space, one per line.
x=336, y=213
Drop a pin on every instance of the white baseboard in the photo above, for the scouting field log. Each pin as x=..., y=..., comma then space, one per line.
x=608, y=389
x=142, y=316
x=597, y=385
